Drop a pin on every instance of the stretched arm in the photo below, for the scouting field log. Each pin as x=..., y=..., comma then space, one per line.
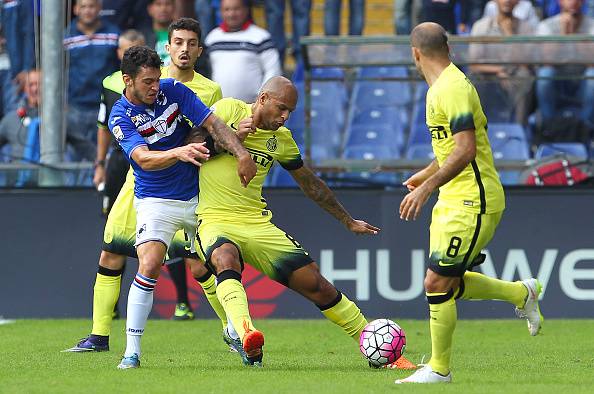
x=317, y=190
x=150, y=160
x=462, y=155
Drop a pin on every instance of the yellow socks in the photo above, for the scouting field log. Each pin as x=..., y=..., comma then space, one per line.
x=344, y=313
x=106, y=293
x=232, y=297
x=209, y=285
x=481, y=287
x=442, y=322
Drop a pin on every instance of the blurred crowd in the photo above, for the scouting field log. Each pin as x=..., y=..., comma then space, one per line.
x=240, y=55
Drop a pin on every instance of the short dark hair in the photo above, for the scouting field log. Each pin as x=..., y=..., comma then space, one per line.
x=185, y=24
x=431, y=38
x=137, y=57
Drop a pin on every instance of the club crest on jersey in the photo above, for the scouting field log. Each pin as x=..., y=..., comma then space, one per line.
x=161, y=99
x=160, y=125
x=271, y=144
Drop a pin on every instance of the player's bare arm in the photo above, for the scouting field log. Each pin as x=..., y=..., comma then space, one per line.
x=226, y=138
x=103, y=141
x=150, y=160
x=317, y=190
x=200, y=134
x=462, y=155
x=419, y=177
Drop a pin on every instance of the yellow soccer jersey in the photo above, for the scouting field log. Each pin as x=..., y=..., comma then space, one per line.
x=453, y=105
x=208, y=91
x=222, y=197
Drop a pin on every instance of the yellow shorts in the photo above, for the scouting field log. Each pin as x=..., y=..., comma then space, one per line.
x=262, y=245
x=119, y=235
x=457, y=237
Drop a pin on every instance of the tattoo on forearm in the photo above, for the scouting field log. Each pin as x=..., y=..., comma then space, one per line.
x=225, y=138
x=317, y=190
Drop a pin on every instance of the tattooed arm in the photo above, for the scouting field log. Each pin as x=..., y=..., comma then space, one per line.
x=317, y=190
x=226, y=138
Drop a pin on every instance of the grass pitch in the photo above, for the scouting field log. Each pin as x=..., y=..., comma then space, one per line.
x=301, y=356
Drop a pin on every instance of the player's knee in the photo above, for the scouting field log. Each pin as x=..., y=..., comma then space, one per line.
x=197, y=268
x=436, y=283
x=226, y=257
x=111, y=261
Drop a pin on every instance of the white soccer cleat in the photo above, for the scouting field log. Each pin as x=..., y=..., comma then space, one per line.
x=531, y=310
x=426, y=375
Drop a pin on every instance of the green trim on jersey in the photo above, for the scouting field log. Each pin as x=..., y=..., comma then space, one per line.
x=222, y=197
x=453, y=105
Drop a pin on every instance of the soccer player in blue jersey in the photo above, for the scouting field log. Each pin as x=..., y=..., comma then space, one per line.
x=151, y=123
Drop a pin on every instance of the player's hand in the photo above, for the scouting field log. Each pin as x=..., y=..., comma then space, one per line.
x=411, y=205
x=195, y=153
x=246, y=169
x=362, y=227
x=416, y=180
x=99, y=176
x=245, y=127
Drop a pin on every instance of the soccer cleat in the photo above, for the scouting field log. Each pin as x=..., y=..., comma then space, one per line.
x=183, y=312
x=401, y=363
x=235, y=346
x=253, y=341
x=129, y=362
x=426, y=375
x=92, y=343
x=531, y=310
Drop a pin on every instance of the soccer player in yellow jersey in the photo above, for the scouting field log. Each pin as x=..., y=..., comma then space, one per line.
x=470, y=204
x=234, y=224
x=120, y=228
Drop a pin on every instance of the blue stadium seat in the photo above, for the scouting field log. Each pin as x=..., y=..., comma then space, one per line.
x=383, y=72
x=419, y=135
x=368, y=94
x=379, y=135
x=575, y=149
x=369, y=152
x=327, y=72
x=279, y=177
x=379, y=116
x=506, y=130
x=420, y=151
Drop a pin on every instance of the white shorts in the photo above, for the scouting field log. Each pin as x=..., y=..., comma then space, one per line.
x=158, y=219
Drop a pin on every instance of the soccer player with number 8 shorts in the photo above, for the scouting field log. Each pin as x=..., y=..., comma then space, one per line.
x=470, y=205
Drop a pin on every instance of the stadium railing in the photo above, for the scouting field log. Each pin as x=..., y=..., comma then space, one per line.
x=386, y=92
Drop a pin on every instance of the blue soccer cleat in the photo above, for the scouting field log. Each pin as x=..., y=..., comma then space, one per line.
x=129, y=362
x=92, y=343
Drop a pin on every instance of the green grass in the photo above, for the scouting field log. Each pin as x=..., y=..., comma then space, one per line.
x=301, y=356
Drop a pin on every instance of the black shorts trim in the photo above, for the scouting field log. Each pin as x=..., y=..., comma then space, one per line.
x=290, y=265
x=479, y=182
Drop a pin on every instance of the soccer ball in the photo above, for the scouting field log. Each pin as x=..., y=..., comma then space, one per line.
x=382, y=342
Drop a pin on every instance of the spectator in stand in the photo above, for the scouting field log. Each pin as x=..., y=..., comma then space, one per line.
x=406, y=15
x=19, y=31
x=549, y=92
x=126, y=14
x=15, y=125
x=514, y=81
x=242, y=54
x=8, y=97
x=470, y=12
x=91, y=49
x=332, y=12
x=524, y=11
x=443, y=12
x=207, y=14
x=156, y=36
x=551, y=8
x=275, y=20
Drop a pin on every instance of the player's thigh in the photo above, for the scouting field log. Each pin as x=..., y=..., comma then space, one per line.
x=213, y=234
x=274, y=252
x=119, y=235
x=453, y=240
x=158, y=219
